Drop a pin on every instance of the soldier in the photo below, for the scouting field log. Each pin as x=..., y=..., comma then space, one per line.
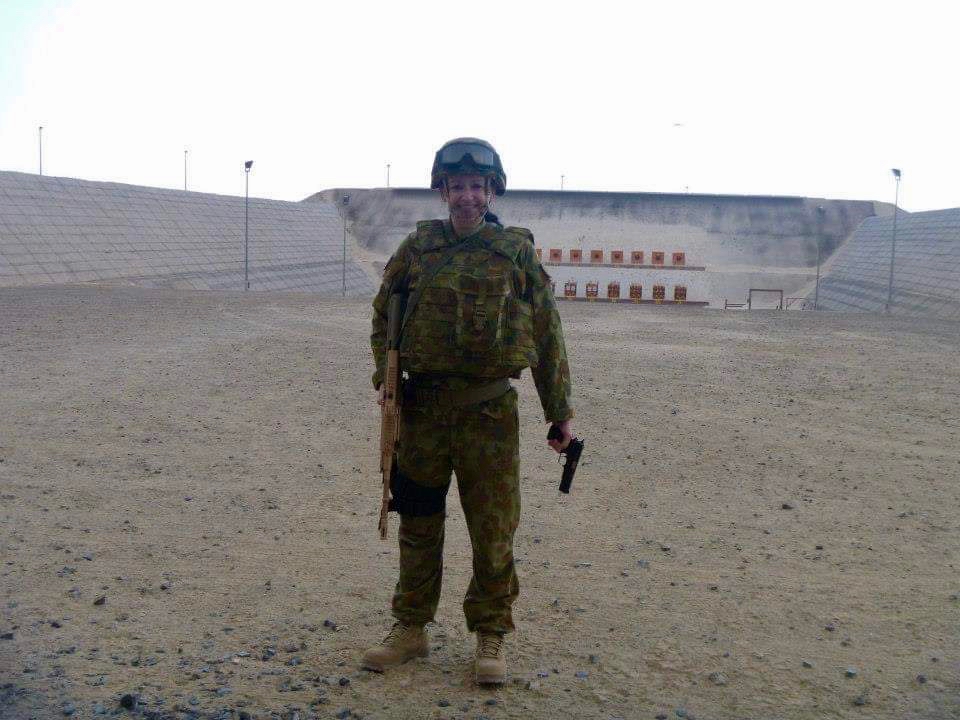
x=485, y=312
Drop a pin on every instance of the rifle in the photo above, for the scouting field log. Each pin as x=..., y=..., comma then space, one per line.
x=390, y=410
x=572, y=451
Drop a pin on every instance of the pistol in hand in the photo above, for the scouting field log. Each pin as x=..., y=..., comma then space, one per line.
x=572, y=457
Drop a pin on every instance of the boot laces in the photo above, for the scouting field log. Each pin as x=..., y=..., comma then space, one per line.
x=490, y=645
x=397, y=633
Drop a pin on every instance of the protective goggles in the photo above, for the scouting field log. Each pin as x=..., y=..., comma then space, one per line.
x=456, y=153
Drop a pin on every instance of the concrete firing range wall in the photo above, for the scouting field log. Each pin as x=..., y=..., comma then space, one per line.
x=743, y=241
x=926, y=278
x=61, y=230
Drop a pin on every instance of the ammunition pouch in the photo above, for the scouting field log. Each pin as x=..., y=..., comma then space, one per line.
x=410, y=498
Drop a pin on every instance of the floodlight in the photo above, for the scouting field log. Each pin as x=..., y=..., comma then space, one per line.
x=247, y=165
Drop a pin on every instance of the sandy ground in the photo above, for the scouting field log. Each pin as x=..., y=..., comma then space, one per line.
x=768, y=504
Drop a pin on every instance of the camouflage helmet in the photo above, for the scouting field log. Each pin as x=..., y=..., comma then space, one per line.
x=468, y=156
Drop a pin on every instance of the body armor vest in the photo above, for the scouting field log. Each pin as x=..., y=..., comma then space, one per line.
x=473, y=318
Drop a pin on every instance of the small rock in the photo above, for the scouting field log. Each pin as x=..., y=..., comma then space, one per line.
x=860, y=700
x=55, y=624
x=582, y=674
x=643, y=564
x=664, y=547
x=850, y=672
x=102, y=600
x=129, y=702
x=6, y=636
x=660, y=716
x=786, y=506
x=807, y=664
x=491, y=702
x=582, y=565
x=718, y=678
x=594, y=659
x=194, y=700
x=328, y=623
x=532, y=685
x=222, y=691
x=244, y=715
x=921, y=678
x=268, y=652
x=829, y=627
x=69, y=709
x=99, y=709
x=165, y=586
x=343, y=714
x=294, y=661
x=344, y=681
x=542, y=674
x=819, y=547
x=443, y=703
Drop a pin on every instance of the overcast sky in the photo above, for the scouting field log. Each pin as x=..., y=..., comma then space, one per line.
x=802, y=98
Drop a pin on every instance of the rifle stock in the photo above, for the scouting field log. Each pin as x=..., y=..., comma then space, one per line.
x=390, y=410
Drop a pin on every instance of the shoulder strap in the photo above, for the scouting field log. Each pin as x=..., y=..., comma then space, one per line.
x=520, y=233
x=427, y=279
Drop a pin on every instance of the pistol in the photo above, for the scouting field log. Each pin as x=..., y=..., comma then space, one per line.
x=572, y=452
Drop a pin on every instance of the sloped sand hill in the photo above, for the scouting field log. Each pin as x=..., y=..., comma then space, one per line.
x=765, y=524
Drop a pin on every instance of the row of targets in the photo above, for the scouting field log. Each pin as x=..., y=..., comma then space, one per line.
x=617, y=257
x=592, y=292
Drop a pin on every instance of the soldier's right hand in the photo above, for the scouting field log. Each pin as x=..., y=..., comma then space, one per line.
x=382, y=395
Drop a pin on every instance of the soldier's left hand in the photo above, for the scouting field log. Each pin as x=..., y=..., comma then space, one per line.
x=567, y=431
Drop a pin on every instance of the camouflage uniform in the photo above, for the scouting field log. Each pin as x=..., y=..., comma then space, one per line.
x=443, y=348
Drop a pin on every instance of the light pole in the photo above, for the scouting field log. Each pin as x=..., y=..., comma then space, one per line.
x=40, y=132
x=388, y=174
x=184, y=169
x=345, y=202
x=893, y=240
x=820, y=214
x=246, y=226
x=561, y=182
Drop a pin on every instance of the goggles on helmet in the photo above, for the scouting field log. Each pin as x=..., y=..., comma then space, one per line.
x=456, y=154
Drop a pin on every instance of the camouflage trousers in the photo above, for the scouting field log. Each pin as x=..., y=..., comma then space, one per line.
x=480, y=444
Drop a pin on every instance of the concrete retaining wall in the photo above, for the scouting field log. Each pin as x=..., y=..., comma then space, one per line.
x=61, y=230
x=926, y=268
x=743, y=241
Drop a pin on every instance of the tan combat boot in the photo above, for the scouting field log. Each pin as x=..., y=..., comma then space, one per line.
x=491, y=666
x=402, y=643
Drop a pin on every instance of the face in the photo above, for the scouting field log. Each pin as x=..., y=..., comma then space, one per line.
x=467, y=196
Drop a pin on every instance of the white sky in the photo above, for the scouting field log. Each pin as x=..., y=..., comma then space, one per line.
x=802, y=98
